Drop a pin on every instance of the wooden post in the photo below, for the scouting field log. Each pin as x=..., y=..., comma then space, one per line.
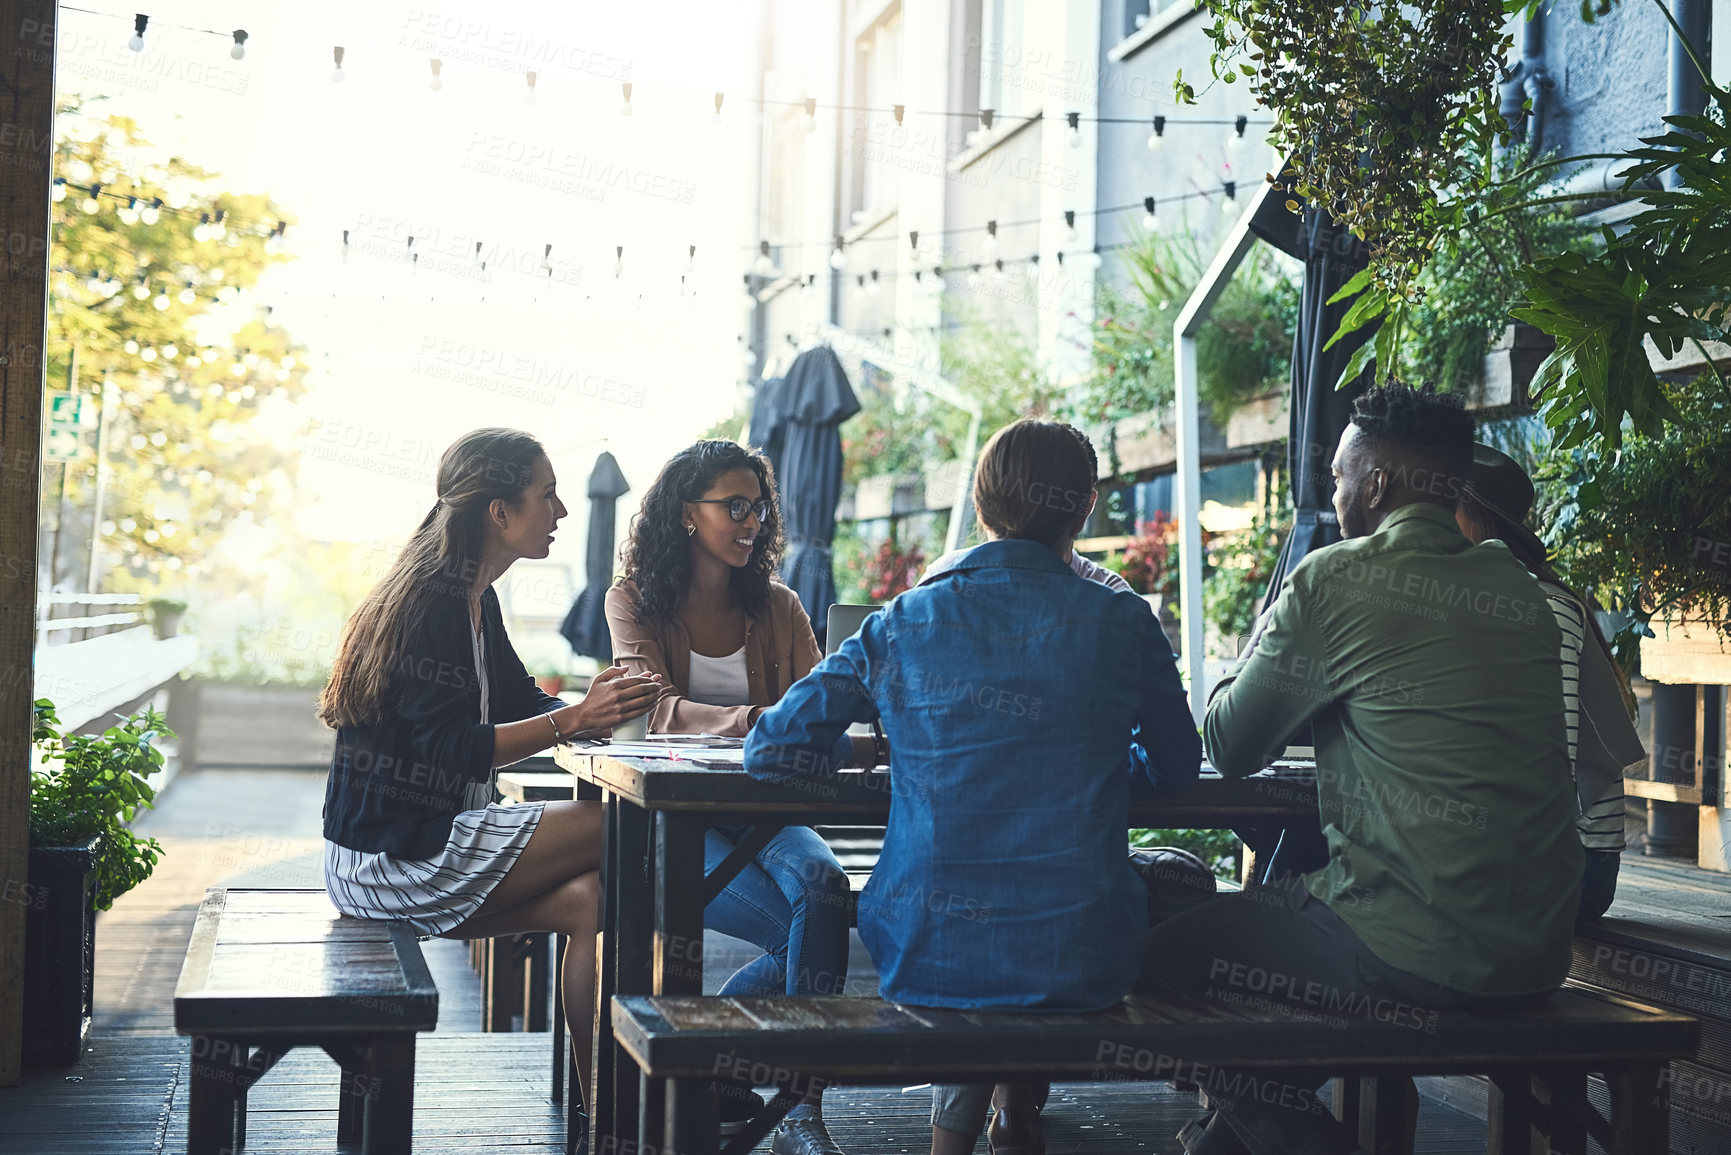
x=26, y=172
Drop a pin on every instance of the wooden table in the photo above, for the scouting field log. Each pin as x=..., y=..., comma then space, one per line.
x=654, y=886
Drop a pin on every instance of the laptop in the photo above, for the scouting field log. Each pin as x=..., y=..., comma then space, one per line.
x=844, y=622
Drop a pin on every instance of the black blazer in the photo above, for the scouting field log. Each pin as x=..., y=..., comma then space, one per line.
x=395, y=786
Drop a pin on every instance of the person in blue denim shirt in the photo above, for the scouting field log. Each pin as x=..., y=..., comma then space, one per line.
x=1021, y=702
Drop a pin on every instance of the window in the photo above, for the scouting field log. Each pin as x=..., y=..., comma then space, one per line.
x=1003, y=80
x=880, y=70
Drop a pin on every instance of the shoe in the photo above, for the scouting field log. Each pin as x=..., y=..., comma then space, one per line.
x=1210, y=1135
x=1004, y=1138
x=803, y=1134
x=735, y=1107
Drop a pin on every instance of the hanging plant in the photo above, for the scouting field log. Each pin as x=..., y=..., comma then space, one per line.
x=1375, y=104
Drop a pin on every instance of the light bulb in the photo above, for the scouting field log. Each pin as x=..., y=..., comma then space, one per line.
x=1157, y=138
x=974, y=280
x=201, y=232
x=837, y=259
x=141, y=291
x=187, y=296
x=337, y=72
x=287, y=362
x=1150, y=222
x=625, y=108
x=171, y=351
x=150, y=214
x=59, y=193
x=1229, y=202
x=91, y=205
x=808, y=123
x=1032, y=270
x=131, y=347
x=235, y=370
x=1075, y=134
x=763, y=266
x=135, y=42
x=874, y=286
x=148, y=355
x=250, y=360
x=1236, y=140
x=619, y=261
x=529, y=95
x=715, y=117
x=129, y=214
x=238, y=52
x=160, y=302
x=436, y=84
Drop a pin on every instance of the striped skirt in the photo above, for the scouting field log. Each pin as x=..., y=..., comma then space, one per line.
x=433, y=895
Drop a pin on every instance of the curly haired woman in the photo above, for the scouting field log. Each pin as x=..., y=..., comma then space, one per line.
x=699, y=607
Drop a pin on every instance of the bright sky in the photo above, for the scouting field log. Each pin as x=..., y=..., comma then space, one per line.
x=403, y=361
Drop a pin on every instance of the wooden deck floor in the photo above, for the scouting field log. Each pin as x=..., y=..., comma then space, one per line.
x=489, y=1092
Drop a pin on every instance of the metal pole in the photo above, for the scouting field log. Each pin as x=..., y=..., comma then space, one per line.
x=65, y=473
x=1685, y=95
x=101, y=477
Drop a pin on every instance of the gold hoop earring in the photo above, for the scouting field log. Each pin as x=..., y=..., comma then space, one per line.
x=689, y=530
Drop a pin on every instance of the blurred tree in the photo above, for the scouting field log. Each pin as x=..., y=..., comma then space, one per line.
x=152, y=266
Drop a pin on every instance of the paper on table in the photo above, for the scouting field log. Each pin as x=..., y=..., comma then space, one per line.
x=734, y=755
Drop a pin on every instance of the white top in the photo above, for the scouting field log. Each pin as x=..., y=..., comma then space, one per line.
x=719, y=681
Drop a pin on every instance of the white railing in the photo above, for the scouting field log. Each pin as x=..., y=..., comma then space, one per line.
x=46, y=623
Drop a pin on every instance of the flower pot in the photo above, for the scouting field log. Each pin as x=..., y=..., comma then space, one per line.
x=166, y=623
x=551, y=683
x=59, y=952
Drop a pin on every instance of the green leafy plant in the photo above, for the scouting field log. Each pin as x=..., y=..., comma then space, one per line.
x=1244, y=351
x=91, y=786
x=1374, y=104
x=1218, y=848
x=1665, y=279
x=1648, y=529
x=1243, y=561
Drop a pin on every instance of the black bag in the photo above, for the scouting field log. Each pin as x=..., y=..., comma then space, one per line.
x=1176, y=880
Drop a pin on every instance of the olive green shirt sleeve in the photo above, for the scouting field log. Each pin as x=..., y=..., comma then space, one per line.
x=1282, y=683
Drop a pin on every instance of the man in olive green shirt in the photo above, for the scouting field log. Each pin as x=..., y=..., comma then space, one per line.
x=1428, y=668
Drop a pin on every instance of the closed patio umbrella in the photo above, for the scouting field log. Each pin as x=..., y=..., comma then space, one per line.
x=1318, y=412
x=585, y=626
x=814, y=399
x=768, y=422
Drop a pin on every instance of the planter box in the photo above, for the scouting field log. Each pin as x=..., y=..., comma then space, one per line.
x=1259, y=421
x=1686, y=654
x=943, y=485
x=59, y=953
x=1509, y=368
x=909, y=494
x=872, y=499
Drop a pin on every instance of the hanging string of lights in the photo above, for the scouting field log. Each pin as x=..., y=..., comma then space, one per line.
x=148, y=210
x=141, y=23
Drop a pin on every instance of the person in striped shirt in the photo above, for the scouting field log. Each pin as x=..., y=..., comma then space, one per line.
x=1598, y=706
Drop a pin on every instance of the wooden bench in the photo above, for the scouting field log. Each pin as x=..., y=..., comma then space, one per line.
x=1538, y=1059
x=270, y=970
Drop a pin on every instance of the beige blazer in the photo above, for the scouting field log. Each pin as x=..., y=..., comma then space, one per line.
x=780, y=649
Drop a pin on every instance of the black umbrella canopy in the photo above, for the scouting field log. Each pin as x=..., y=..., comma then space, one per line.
x=585, y=626
x=813, y=400
x=768, y=422
x=1318, y=411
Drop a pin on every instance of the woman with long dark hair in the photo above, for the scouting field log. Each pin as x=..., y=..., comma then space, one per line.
x=699, y=607
x=1597, y=703
x=428, y=699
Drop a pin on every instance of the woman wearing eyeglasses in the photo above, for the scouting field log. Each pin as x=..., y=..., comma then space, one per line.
x=699, y=605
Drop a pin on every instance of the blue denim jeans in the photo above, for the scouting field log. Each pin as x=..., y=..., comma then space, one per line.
x=792, y=900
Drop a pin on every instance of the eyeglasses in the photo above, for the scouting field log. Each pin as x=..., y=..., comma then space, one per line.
x=738, y=507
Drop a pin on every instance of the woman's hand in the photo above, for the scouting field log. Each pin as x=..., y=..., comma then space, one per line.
x=616, y=697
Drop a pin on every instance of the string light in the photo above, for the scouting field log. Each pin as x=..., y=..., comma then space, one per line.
x=1075, y=133
x=875, y=285
x=715, y=117
x=1032, y=270
x=90, y=204
x=1071, y=236
x=986, y=115
x=1229, y=201
x=529, y=94
x=764, y=266
x=337, y=72
x=837, y=256
x=238, y=52
x=991, y=242
x=129, y=215
x=808, y=123
x=618, y=261
x=1149, y=221
x=625, y=108
x=1236, y=140
x=437, y=83
x=161, y=302
x=152, y=212
x=187, y=296
x=690, y=258
x=58, y=193
x=131, y=347
x=1157, y=138
x=136, y=43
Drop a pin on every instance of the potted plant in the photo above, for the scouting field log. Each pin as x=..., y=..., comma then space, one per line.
x=82, y=857
x=165, y=615
x=550, y=682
